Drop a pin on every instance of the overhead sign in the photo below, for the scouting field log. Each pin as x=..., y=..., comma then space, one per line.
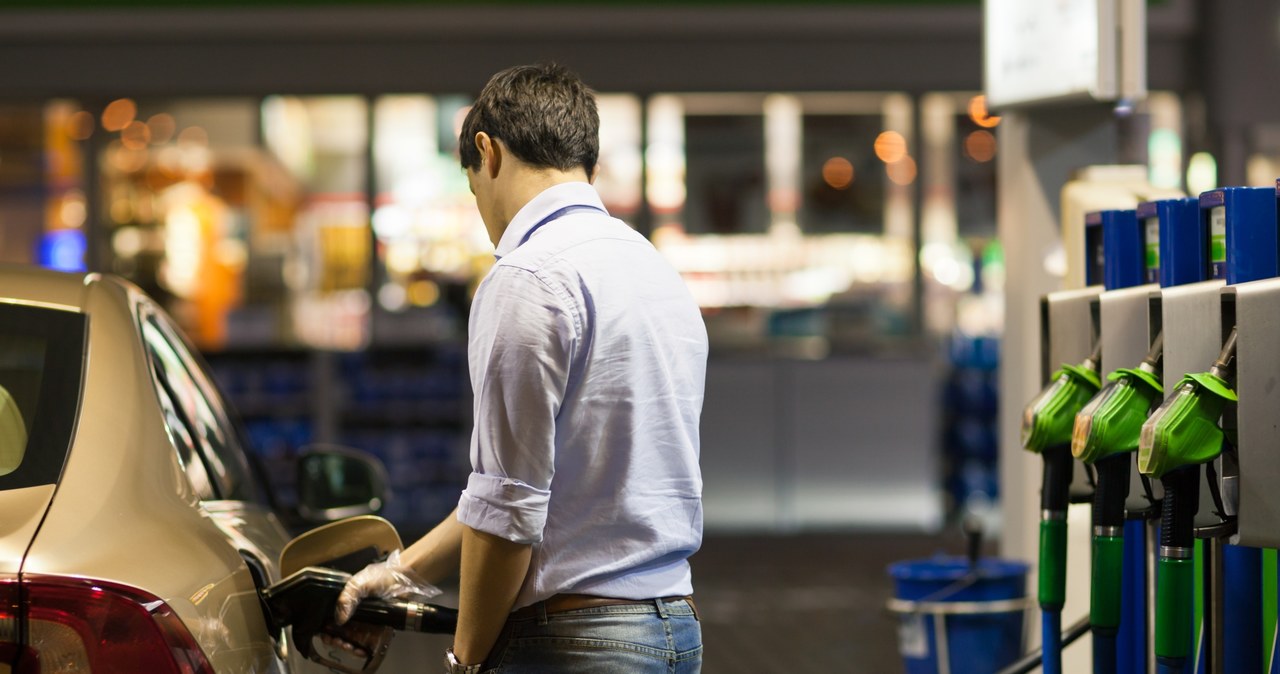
x=1040, y=51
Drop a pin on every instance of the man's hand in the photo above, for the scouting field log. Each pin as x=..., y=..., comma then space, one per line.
x=387, y=580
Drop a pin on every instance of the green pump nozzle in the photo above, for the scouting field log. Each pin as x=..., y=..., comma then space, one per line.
x=1112, y=420
x=1046, y=430
x=1048, y=419
x=1106, y=431
x=1184, y=430
x=1182, y=434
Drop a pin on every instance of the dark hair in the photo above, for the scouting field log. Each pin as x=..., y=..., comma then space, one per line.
x=542, y=113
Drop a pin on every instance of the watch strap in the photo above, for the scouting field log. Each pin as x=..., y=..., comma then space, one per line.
x=452, y=666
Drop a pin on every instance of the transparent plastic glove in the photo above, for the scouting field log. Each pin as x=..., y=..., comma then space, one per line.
x=387, y=580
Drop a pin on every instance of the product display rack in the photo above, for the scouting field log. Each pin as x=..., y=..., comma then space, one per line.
x=971, y=440
x=408, y=405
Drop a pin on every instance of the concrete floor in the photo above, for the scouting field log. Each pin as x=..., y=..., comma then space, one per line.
x=785, y=604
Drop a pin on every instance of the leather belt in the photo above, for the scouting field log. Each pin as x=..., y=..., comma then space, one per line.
x=561, y=603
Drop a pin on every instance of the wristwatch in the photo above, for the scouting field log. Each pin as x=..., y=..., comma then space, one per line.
x=452, y=666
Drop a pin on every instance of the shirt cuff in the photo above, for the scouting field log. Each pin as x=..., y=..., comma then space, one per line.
x=503, y=507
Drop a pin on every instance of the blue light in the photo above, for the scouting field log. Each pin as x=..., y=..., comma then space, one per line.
x=63, y=250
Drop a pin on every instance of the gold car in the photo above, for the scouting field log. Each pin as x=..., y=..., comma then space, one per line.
x=135, y=534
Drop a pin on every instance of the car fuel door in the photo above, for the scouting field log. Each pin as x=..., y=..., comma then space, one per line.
x=316, y=565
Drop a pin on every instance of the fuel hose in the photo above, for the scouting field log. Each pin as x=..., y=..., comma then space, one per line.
x=1105, y=434
x=1047, y=426
x=1180, y=436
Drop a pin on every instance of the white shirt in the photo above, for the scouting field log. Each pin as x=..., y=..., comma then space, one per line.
x=588, y=359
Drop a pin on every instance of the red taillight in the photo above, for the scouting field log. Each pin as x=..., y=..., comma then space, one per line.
x=78, y=625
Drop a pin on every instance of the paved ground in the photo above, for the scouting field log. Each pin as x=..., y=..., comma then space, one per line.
x=812, y=603
x=784, y=604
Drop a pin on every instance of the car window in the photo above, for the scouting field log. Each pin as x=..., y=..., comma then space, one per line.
x=41, y=371
x=193, y=397
x=180, y=425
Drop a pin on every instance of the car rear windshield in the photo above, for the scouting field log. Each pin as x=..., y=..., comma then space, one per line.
x=41, y=370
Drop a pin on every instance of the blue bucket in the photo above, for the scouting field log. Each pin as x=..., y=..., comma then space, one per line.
x=978, y=615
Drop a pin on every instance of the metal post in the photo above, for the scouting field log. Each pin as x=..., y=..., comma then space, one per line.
x=1213, y=605
x=944, y=649
x=1153, y=539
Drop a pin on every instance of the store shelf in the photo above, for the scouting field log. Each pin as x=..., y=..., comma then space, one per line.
x=408, y=405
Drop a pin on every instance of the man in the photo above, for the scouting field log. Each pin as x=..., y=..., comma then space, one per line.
x=588, y=358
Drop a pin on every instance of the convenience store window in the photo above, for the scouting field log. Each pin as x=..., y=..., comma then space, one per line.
x=431, y=246
x=42, y=192
x=961, y=267
x=782, y=215
x=430, y=243
x=843, y=180
x=179, y=201
x=322, y=142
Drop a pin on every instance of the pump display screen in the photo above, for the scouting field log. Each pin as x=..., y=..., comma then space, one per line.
x=1152, y=244
x=1218, y=241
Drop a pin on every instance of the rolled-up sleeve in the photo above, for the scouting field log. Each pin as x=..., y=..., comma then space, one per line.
x=522, y=335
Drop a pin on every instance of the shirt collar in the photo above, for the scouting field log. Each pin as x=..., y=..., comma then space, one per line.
x=549, y=201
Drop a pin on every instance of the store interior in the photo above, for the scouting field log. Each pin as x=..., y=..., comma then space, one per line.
x=828, y=178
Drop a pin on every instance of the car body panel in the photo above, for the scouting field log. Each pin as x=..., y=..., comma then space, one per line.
x=23, y=510
x=125, y=509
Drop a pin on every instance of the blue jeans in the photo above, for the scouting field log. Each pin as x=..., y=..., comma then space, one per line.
x=625, y=639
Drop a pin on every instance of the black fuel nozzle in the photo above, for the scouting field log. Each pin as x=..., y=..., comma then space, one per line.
x=306, y=599
x=1055, y=487
x=1179, y=509
x=1111, y=491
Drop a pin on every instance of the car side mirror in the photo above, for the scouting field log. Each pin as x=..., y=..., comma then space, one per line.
x=336, y=482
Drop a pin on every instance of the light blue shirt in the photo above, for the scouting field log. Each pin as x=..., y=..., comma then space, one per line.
x=588, y=358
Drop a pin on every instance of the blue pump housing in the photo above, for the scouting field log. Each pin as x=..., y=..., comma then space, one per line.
x=1176, y=246
x=1115, y=251
x=1240, y=223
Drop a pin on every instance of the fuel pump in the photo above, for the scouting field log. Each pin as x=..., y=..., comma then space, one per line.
x=1071, y=361
x=1253, y=309
x=1239, y=226
x=1179, y=437
x=1106, y=430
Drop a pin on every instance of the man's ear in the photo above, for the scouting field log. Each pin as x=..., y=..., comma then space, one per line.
x=490, y=154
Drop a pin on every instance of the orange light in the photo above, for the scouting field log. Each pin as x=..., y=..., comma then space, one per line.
x=118, y=114
x=902, y=172
x=423, y=293
x=80, y=125
x=979, y=114
x=162, y=127
x=838, y=173
x=890, y=147
x=136, y=136
x=980, y=146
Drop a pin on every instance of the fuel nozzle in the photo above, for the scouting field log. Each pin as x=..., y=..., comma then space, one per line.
x=1048, y=419
x=1184, y=430
x=1046, y=430
x=1111, y=421
x=1182, y=434
x=1105, y=433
